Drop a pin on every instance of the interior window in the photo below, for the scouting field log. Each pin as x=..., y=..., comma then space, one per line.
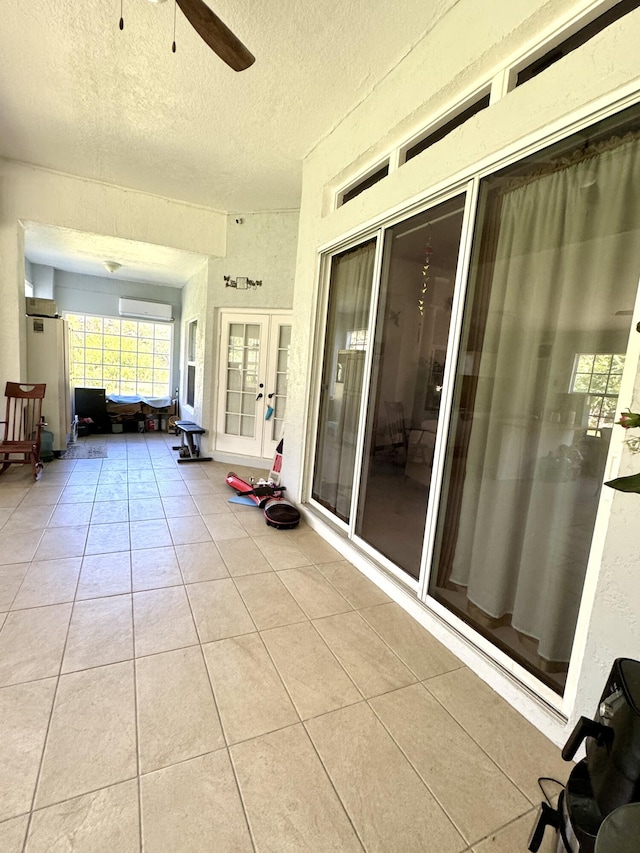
x=598, y=376
x=125, y=357
x=191, y=362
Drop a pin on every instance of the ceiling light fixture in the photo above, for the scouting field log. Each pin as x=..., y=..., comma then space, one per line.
x=112, y=266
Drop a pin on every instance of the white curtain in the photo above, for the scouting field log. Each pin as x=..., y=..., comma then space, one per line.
x=349, y=301
x=567, y=258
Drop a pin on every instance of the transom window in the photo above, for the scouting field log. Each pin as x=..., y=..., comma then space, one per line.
x=598, y=375
x=124, y=357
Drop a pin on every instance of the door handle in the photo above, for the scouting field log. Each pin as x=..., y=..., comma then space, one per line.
x=259, y=396
x=269, y=396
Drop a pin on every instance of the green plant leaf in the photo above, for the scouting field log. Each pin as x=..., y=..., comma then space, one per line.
x=626, y=484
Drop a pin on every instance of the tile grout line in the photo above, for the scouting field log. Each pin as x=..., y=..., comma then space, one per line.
x=309, y=738
x=312, y=565
x=48, y=729
x=245, y=810
x=415, y=769
x=337, y=659
x=387, y=644
x=335, y=790
x=79, y=796
x=395, y=654
x=499, y=829
x=367, y=701
x=135, y=700
x=344, y=595
x=222, y=727
x=475, y=740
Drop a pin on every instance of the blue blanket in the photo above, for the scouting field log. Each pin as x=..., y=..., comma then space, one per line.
x=155, y=402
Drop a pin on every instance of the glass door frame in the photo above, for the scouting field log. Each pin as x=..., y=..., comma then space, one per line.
x=470, y=190
x=469, y=181
x=554, y=701
x=326, y=254
x=326, y=262
x=448, y=383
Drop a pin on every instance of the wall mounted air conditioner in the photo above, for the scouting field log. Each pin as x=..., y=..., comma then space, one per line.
x=144, y=310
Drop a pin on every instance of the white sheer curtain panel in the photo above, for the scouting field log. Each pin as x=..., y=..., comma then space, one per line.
x=567, y=258
x=349, y=302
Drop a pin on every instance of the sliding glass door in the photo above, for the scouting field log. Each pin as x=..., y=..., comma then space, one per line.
x=414, y=314
x=531, y=399
x=553, y=283
x=346, y=342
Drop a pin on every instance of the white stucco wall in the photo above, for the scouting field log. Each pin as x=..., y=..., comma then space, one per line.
x=262, y=247
x=466, y=51
x=29, y=194
x=42, y=279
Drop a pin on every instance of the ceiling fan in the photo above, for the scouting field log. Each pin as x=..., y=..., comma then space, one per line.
x=213, y=32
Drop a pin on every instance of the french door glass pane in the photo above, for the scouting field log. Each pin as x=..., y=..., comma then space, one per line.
x=420, y=261
x=243, y=348
x=234, y=380
x=248, y=428
x=279, y=399
x=555, y=269
x=342, y=377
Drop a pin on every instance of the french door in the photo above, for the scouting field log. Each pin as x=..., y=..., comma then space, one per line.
x=252, y=382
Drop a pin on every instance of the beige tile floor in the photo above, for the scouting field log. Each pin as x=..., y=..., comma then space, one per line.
x=176, y=676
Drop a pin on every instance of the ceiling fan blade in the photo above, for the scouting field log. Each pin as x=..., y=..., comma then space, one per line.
x=216, y=34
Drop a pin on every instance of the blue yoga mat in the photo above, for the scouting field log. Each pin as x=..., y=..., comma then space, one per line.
x=242, y=499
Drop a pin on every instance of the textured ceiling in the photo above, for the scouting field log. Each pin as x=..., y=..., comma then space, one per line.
x=84, y=253
x=80, y=96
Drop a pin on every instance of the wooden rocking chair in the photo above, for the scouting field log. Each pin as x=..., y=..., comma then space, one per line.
x=22, y=425
x=397, y=431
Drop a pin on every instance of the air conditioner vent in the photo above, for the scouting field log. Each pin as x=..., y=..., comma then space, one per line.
x=144, y=310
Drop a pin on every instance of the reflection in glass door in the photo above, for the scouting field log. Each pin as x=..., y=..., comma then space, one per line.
x=421, y=256
x=553, y=283
x=346, y=341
